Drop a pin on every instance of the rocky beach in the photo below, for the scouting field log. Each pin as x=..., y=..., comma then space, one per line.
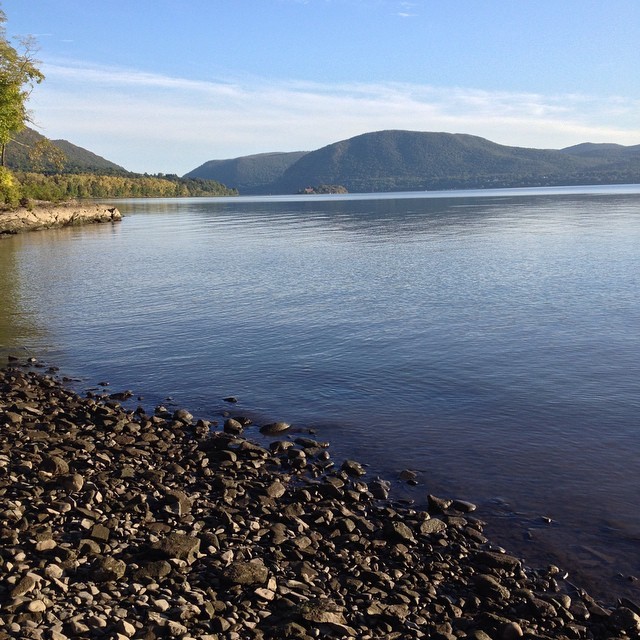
x=47, y=215
x=118, y=523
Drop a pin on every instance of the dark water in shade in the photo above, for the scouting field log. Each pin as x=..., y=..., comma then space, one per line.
x=489, y=340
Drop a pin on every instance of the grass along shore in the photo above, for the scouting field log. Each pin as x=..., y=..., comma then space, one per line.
x=119, y=524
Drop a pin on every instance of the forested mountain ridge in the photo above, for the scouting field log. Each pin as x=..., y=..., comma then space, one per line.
x=58, y=170
x=409, y=160
x=248, y=174
x=19, y=156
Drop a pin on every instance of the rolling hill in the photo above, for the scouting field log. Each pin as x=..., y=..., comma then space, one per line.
x=248, y=174
x=78, y=160
x=409, y=160
x=83, y=174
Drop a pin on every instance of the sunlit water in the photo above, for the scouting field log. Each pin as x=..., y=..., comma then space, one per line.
x=488, y=340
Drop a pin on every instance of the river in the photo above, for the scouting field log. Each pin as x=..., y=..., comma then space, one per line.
x=486, y=339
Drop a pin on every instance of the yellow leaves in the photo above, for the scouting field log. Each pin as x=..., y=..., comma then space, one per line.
x=9, y=187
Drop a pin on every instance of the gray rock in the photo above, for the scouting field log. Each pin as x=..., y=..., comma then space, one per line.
x=37, y=606
x=232, y=426
x=353, y=468
x=182, y=415
x=276, y=489
x=379, y=488
x=275, y=428
x=25, y=585
x=73, y=482
x=180, y=546
x=321, y=610
x=126, y=628
x=179, y=503
x=489, y=586
x=464, y=506
x=432, y=526
x=512, y=631
x=497, y=560
x=109, y=569
x=153, y=570
x=253, y=572
x=55, y=465
x=409, y=476
x=438, y=505
x=100, y=533
x=398, y=532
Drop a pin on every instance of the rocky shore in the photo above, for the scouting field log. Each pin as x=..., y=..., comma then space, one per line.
x=46, y=215
x=118, y=524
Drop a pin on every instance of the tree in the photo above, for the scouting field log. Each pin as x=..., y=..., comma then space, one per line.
x=44, y=154
x=19, y=73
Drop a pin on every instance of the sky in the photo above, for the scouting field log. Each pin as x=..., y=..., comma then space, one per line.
x=162, y=86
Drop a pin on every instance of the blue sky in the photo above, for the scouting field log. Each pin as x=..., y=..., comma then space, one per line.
x=165, y=85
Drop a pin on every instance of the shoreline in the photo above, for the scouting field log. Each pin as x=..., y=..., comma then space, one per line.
x=47, y=215
x=152, y=525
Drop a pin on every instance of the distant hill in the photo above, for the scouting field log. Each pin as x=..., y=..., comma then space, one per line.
x=606, y=155
x=595, y=150
x=411, y=160
x=78, y=160
x=82, y=159
x=248, y=174
x=84, y=174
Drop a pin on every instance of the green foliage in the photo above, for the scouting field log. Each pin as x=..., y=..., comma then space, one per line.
x=59, y=187
x=414, y=161
x=9, y=188
x=45, y=155
x=29, y=150
x=18, y=75
x=324, y=189
x=248, y=174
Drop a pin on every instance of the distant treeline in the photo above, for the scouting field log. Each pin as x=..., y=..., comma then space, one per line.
x=59, y=187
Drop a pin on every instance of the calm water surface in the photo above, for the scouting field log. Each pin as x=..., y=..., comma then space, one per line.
x=488, y=340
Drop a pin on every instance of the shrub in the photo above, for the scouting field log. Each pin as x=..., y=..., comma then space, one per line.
x=9, y=188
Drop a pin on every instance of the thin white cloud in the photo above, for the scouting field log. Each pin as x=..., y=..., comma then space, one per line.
x=150, y=122
x=406, y=10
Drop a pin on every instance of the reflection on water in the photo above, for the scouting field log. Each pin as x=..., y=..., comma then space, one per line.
x=18, y=323
x=490, y=343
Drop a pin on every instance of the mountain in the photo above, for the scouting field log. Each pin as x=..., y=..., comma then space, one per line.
x=83, y=174
x=593, y=150
x=411, y=160
x=611, y=155
x=407, y=160
x=83, y=160
x=77, y=159
x=248, y=174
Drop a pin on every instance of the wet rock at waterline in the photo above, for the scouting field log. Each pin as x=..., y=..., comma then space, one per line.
x=275, y=428
x=118, y=524
x=48, y=216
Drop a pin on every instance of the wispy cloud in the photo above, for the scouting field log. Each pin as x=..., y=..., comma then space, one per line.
x=151, y=122
x=406, y=10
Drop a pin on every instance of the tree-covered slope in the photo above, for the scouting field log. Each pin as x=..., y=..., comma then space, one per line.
x=248, y=174
x=606, y=156
x=406, y=160
x=20, y=156
x=412, y=160
x=83, y=159
x=57, y=170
